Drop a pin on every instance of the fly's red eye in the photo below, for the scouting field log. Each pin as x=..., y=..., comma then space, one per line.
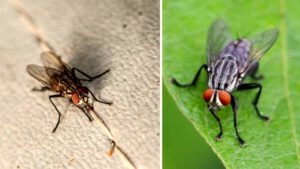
x=75, y=98
x=224, y=97
x=208, y=94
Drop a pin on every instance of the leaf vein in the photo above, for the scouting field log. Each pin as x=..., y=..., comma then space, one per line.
x=284, y=57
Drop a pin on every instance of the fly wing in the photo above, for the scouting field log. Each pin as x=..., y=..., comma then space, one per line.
x=218, y=37
x=40, y=74
x=47, y=76
x=51, y=60
x=260, y=44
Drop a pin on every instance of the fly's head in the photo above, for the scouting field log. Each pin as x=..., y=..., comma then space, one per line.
x=82, y=99
x=216, y=99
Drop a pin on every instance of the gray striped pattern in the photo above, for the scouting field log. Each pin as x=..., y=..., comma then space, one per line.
x=230, y=67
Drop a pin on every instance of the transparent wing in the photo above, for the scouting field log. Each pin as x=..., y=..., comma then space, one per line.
x=261, y=43
x=47, y=76
x=40, y=74
x=218, y=36
x=51, y=60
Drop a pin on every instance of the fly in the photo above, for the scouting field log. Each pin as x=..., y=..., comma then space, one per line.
x=228, y=62
x=59, y=77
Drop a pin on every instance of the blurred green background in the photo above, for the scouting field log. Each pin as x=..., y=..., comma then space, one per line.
x=183, y=147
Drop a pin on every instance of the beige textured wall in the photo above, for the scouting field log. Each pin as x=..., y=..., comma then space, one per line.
x=90, y=35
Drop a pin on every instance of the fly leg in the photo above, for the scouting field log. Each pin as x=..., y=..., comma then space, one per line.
x=248, y=86
x=89, y=78
x=59, y=114
x=234, y=109
x=86, y=113
x=253, y=72
x=100, y=100
x=194, y=82
x=219, y=136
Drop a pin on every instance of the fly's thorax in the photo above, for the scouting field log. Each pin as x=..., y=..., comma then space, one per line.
x=230, y=66
x=224, y=74
x=216, y=99
x=240, y=50
x=66, y=82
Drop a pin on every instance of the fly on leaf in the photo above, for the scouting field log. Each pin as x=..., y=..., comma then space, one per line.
x=59, y=77
x=228, y=62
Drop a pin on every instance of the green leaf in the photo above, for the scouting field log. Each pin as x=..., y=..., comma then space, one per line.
x=273, y=144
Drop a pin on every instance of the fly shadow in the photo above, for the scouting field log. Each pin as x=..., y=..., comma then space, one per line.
x=89, y=55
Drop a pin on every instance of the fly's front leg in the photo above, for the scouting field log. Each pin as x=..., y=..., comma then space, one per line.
x=90, y=78
x=86, y=113
x=100, y=100
x=59, y=114
x=234, y=109
x=219, y=136
x=194, y=82
x=248, y=86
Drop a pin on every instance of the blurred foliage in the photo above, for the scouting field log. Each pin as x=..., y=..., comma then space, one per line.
x=182, y=146
x=273, y=144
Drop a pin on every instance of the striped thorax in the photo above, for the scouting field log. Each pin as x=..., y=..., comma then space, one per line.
x=226, y=73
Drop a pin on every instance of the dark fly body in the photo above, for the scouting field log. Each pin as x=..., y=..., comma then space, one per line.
x=228, y=62
x=59, y=77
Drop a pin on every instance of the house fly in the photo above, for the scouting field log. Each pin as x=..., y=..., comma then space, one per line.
x=59, y=77
x=228, y=62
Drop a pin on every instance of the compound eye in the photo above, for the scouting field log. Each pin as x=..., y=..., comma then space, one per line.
x=75, y=98
x=224, y=97
x=207, y=94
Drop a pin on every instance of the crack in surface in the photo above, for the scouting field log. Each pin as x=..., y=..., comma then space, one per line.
x=30, y=24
